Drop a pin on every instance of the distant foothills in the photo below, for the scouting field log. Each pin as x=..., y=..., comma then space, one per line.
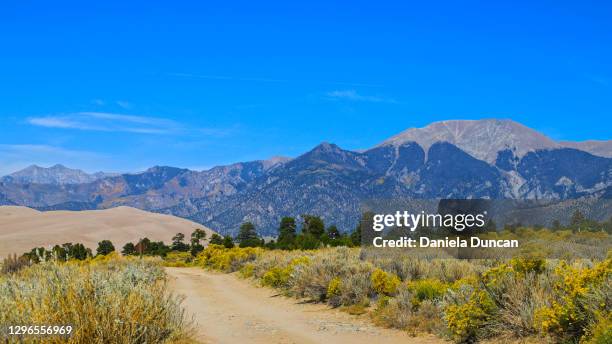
x=491, y=158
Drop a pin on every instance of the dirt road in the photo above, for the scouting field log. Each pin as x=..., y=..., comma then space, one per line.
x=227, y=309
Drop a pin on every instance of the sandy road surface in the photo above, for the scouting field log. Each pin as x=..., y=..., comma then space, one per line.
x=227, y=309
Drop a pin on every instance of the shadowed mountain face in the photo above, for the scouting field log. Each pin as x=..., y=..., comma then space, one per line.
x=453, y=159
x=4, y=200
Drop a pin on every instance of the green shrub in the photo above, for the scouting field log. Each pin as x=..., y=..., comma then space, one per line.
x=400, y=312
x=601, y=332
x=428, y=289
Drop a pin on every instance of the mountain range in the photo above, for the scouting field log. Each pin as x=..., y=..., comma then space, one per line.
x=56, y=174
x=497, y=159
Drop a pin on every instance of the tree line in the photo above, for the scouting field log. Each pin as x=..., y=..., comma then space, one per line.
x=312, y=234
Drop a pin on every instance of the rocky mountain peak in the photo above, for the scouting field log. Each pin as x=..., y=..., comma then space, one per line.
x=482, y=139
x=326, y=147
x=57, y=174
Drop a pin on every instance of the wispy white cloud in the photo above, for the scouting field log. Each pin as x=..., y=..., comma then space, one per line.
x=352, y=95
x=59, y=122
x=114, y=122
x=103, y=121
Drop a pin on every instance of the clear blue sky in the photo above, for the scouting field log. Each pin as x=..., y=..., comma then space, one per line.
x=121, y=87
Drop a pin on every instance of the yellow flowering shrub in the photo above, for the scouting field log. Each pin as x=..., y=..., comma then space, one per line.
x=516, y=267
x=384, y=283
x=218, y=257
x=334, y=288
x=103, y=258
x=525, y=265
x=471, y=281
x=178, y=259
x=247, y=270
x=569, y=313
x=278, y=277
x=495, y=275
x=275, y=277
x=601, y=331
x=465, y=316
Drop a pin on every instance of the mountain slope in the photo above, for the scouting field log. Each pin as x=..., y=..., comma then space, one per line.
x=332, y=183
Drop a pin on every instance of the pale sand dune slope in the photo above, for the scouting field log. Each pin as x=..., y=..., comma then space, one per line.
x=22, y=229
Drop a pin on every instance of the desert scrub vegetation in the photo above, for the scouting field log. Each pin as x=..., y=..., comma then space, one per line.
x=12, y=264
x=580, y=302
x=523, y=298
x=218, y=257
x=554, y=300
x=107, y=299
x=178, y=259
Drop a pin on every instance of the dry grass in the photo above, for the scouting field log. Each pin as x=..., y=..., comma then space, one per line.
x=12, y=264
x=106, y=300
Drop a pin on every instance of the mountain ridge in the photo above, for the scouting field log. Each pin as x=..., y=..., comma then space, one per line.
x=484, y=138
x=332, y=182
x=56, y=174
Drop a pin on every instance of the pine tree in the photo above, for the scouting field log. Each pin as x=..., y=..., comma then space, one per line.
x=196, y=246
x=178, y=242
x=286, y=232
x=105, y=247
x=228, y=242
x=216, y=239
x=577, y=220
x=313, y=225
x=128, y=249
x=247, y=237
x=356, y=236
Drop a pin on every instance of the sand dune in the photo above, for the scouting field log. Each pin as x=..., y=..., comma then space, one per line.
x=22, y=228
